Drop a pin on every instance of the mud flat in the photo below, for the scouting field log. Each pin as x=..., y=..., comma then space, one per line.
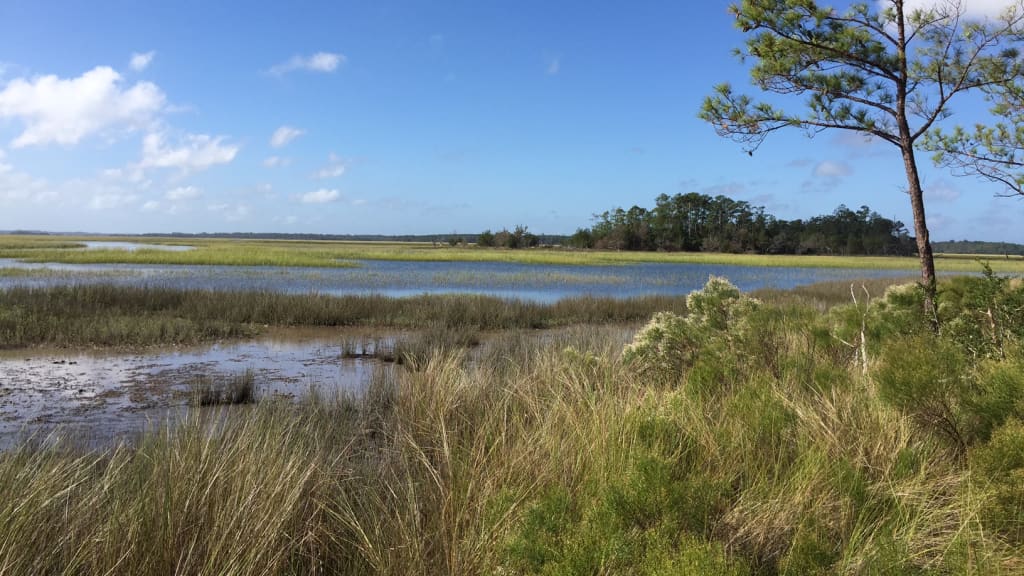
x=98, y=396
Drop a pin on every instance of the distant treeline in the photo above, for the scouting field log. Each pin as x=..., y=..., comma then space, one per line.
x=519, y=237
x=684, y=222
x=975, y=247
x=451, y=238
x=698, y=222
x=437, y=238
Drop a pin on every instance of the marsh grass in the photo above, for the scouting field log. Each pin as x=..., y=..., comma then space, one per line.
x=768, y=452
x=340, y=254
x=103, y=315
x=26, y=242
x=217, y=391
x=825, y=295
x=378, y=348
x=43, y=272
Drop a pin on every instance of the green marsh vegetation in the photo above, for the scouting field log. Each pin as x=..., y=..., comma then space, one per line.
x=326, y=254
x=766, y=435
x=127, y=317
x=231, y=390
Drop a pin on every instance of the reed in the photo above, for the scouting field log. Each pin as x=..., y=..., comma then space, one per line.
x=232, y=390
x=117, y=316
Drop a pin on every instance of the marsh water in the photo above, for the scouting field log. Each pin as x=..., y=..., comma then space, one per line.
x=540, y=283
x=98, y=396
x=133, y=246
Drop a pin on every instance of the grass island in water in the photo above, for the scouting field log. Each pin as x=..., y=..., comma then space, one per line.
x=232, y=252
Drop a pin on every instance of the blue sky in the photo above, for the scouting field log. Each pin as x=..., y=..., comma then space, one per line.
x=406, y=117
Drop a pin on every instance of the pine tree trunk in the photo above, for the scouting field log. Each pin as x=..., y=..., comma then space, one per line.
x=924, y=245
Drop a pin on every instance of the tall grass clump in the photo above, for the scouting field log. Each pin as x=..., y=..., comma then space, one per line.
x=233, y=390
x=238, y=496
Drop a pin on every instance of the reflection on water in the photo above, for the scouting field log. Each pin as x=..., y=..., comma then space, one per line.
x=100, y=396
x=540, y=283
x=132, y=246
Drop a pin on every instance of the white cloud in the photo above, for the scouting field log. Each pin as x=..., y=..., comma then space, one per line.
x=319, y=62
x=831, y=169
x=151, y=206
x=324, y=61
x=4, y=167
x=971, y=8
x=941, y=191
x=285, y=134
x=196, y=152
x=335, y=167
x=140, y=62
x=132, y=174
x=232, y=213
x=106, y=201
x=182, y=193
x=64, y=111
x=321, y=196
x=18, y=186
x=275, y=161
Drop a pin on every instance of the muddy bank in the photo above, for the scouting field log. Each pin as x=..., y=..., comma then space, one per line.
x=97, y=396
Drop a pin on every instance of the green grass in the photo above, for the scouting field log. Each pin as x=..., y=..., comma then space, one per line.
x=341, y=254
x=825, y=295
x=126, y=317
x=234, y=390
x=768, y=451
x=43, y=272
x=26, y=242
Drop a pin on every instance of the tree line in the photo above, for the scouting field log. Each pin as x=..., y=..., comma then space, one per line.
x=698, y=222
x=979, y=247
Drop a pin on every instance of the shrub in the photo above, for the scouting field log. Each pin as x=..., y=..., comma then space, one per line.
x=486, y=238
x=925, y=378
x=1000, y=465
x=983, y=315
x=872, y=322
x=930, y=378
x=997, y=394
x=654, y=518
x=669, y=342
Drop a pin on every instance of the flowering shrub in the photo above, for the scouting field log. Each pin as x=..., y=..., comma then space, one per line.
x=669, y=341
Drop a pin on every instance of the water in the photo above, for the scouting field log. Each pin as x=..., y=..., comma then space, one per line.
x=133, y=246
x=100, y=396
x=539, y=283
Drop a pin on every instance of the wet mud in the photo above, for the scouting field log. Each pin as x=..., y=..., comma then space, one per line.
x=96, y=397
